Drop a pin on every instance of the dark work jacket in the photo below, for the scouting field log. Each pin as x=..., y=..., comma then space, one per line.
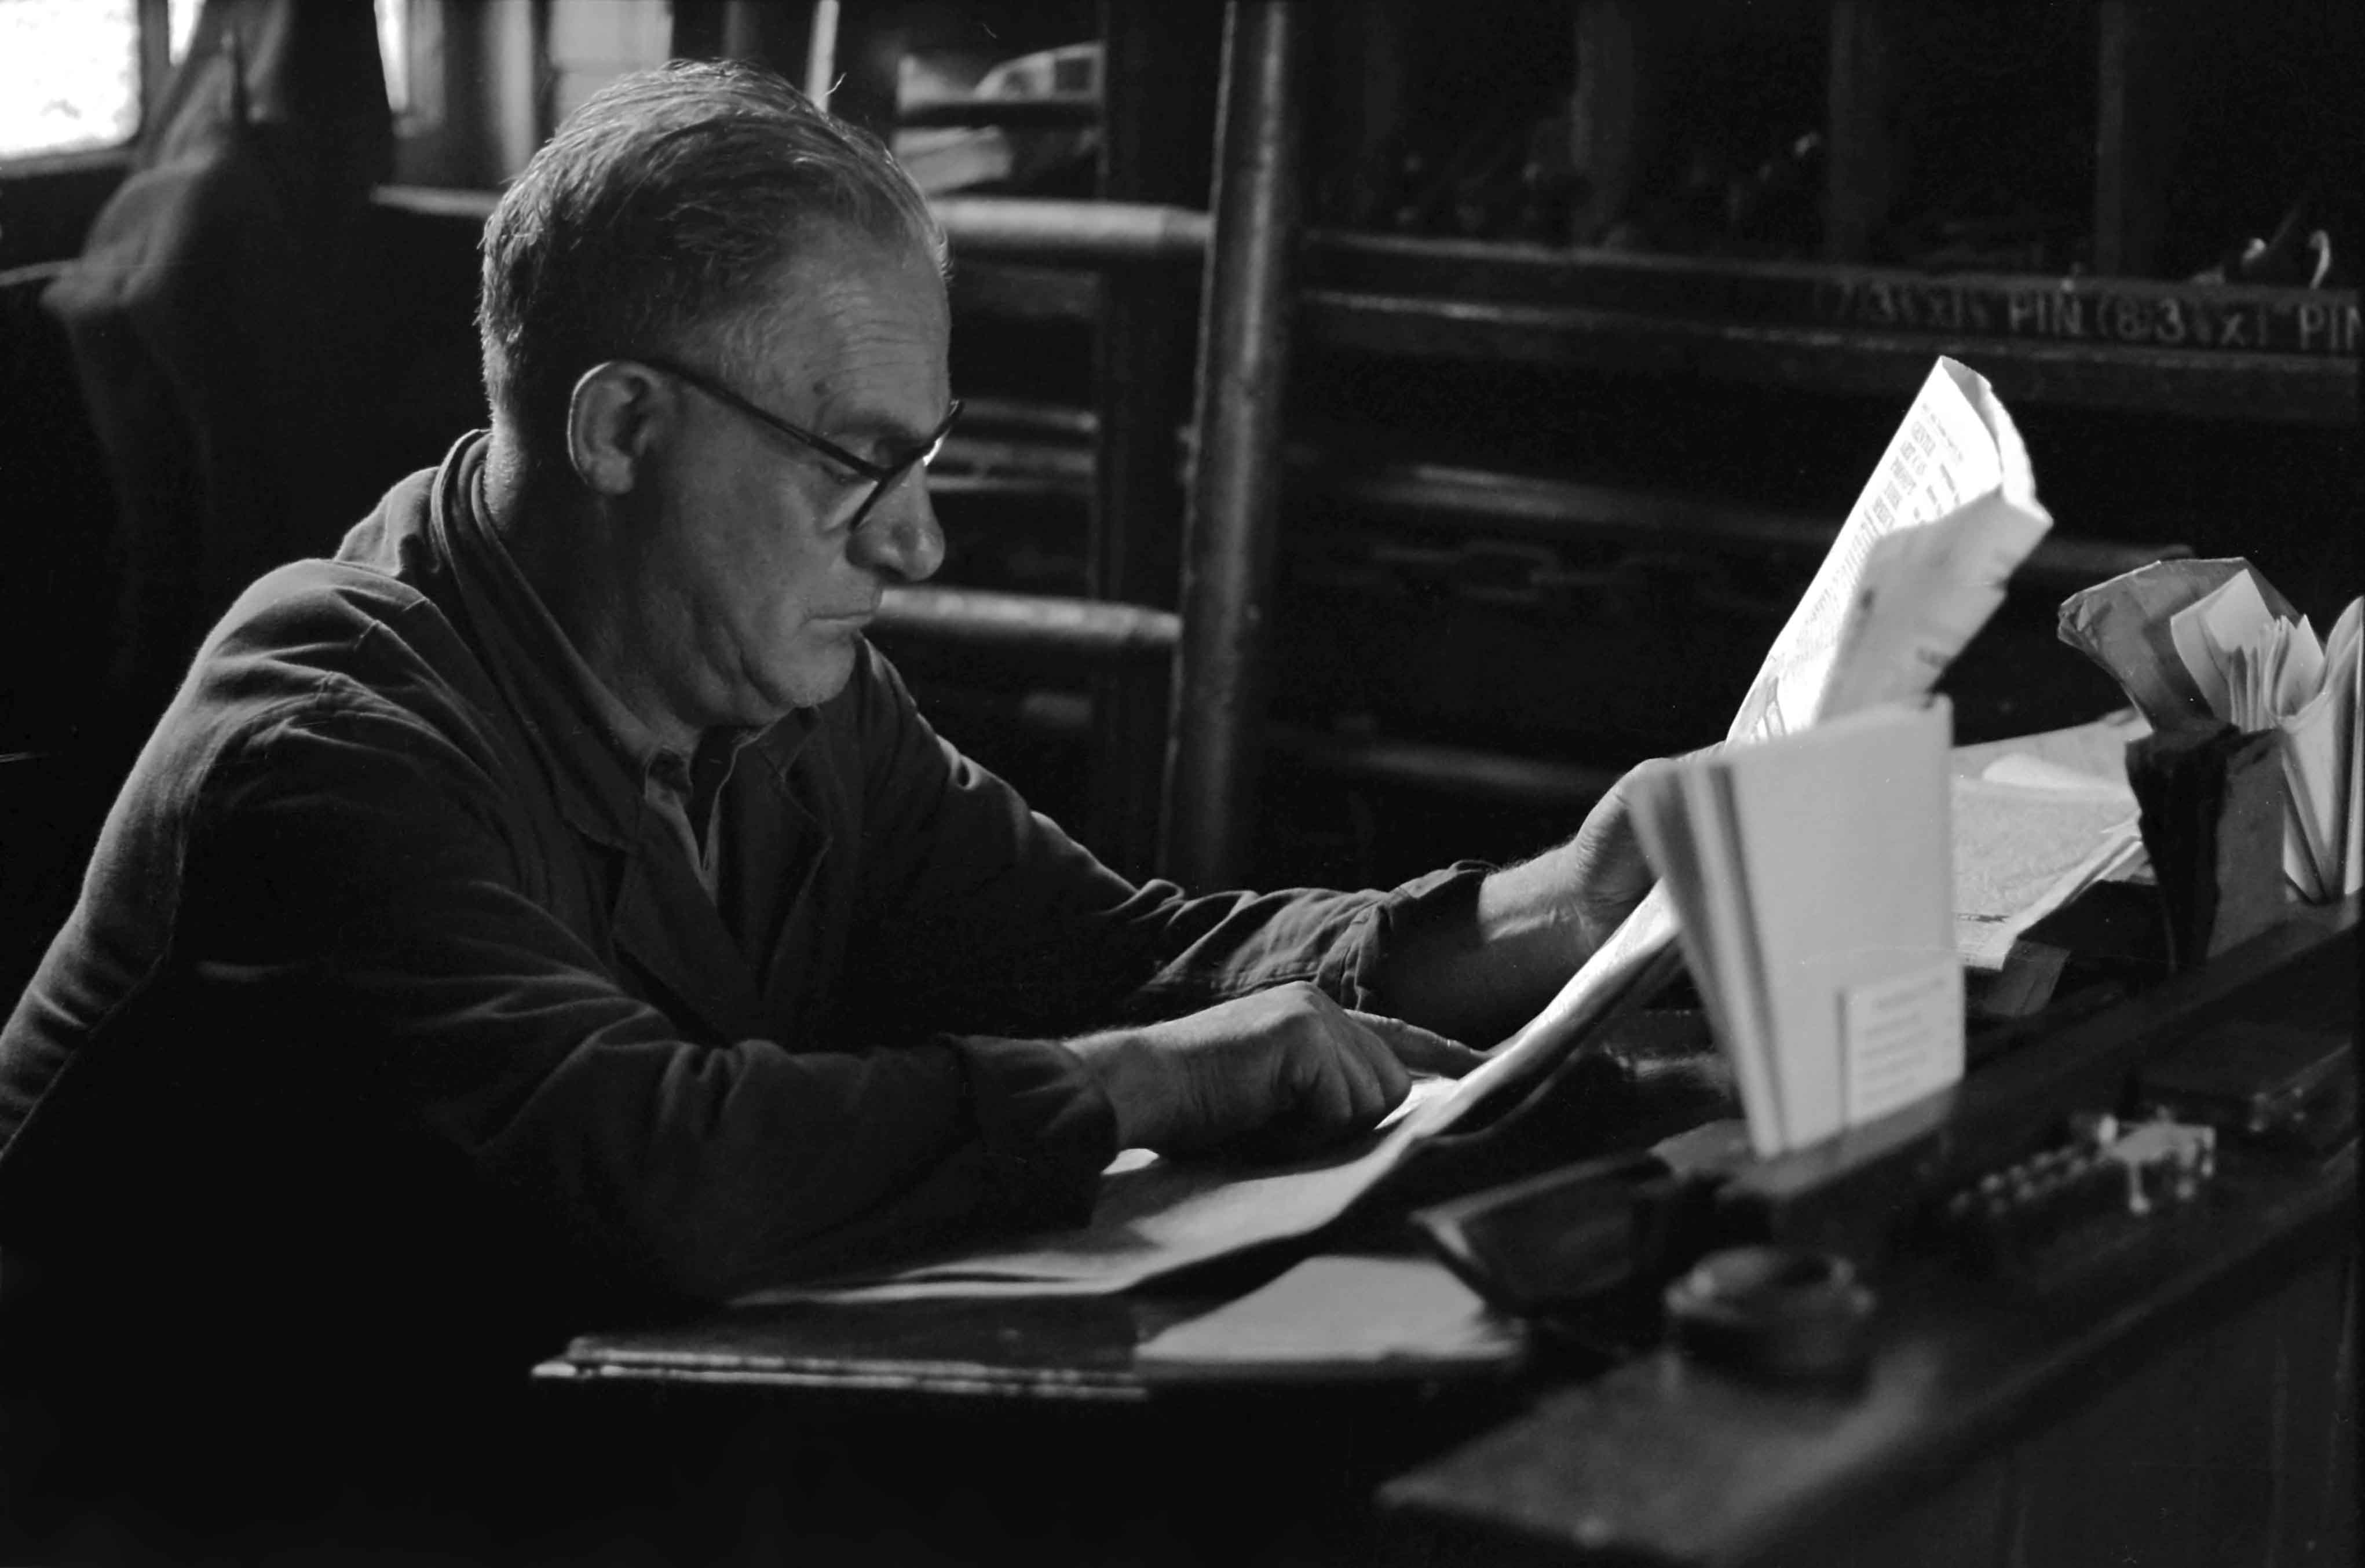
x=392, y=1021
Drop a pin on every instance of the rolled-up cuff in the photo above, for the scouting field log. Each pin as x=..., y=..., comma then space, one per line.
x=1046, y=1128
x=1351, y=975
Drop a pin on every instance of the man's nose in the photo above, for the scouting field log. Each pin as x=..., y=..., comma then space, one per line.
x=901, y=534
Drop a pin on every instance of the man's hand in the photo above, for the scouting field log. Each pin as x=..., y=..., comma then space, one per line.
x=1481, y=977
x=1607, y=873
x=1288, y=1062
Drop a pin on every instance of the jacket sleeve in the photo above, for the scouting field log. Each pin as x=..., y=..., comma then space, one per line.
x=352, y=864
x=980, y=912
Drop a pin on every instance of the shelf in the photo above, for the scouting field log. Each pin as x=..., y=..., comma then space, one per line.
x=2284, y=354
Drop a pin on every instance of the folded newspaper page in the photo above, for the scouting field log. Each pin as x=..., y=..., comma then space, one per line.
x=1915, y=572
x=1954, y=493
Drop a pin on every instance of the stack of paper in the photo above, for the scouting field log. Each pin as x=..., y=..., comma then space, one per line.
x=2029, y=836
x=2258, y=671
x=1811, y=878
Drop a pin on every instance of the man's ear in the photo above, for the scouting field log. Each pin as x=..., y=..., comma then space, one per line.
x=617, y=411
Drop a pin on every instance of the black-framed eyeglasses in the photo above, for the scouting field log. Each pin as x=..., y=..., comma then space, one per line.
x=883, y=476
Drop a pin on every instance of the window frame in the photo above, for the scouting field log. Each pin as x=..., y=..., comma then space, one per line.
x=152, y=44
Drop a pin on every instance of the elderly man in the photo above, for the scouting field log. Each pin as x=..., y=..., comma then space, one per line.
x=553, y=906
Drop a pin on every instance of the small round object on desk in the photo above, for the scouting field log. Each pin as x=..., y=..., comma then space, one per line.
x=1785, y=1312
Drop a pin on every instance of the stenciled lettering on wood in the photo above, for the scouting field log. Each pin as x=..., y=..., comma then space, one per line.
x=2084, y=312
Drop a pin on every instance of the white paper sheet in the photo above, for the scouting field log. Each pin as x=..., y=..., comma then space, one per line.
x=1956, y=448
x=1335, y=1317
x=2230, y=616
x=2259, y=671
x=1152, y=1215
x=2026, y=841
x=2319, y=743
x=1709, y=929
x=1844, y=839
x=1900, y=1038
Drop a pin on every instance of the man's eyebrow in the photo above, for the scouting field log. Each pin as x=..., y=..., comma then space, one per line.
x=881, y=427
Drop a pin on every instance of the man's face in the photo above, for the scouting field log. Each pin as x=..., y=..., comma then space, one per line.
x=754, y=588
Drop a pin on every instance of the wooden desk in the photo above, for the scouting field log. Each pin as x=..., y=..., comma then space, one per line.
x=2187, y=1397
x=1013, y=1432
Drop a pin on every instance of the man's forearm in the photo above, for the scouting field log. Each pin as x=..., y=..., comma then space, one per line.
x=1477, y=973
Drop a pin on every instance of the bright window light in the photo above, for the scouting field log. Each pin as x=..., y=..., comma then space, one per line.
x=69, y=75
x=181, y=19
x=393, y=47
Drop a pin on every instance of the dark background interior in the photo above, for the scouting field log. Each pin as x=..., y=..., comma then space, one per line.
x=1558, y=646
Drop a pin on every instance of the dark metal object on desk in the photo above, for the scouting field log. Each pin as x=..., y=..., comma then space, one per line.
x=1785, y=1313
x=2057, y=1208
x=2272, y=1086
x=1568, y=1241
x=2214, y=801
x=1868, y=1191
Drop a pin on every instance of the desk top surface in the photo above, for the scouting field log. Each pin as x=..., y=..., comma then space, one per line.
x=1655, y=1459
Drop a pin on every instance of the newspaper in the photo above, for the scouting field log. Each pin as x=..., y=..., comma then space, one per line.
x=1915, y=571
x=2028, y=838
x=1880, y=622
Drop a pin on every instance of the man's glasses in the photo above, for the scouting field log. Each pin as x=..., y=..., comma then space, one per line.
x=882, y=476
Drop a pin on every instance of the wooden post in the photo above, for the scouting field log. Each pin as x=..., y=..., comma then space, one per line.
x=1158, y=81
x=1234, y=498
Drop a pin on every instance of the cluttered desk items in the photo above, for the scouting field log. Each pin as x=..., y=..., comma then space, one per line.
x=2251, y=789
x=2091, y=1322
x=1811, y=876
x=2037, y=821
x=1917, y=567
x=2083, y=1145
x=2068, y=1150
x=1915, y=571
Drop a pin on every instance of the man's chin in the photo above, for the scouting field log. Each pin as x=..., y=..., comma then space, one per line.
x=814, y=681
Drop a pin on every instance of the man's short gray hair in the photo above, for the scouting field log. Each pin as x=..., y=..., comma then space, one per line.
x=661, y=210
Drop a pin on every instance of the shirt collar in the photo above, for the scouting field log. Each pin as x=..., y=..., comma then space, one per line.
x=635, y=741
x=636, y=744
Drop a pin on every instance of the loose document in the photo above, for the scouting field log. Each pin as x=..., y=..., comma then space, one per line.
x=2260, y=672
x=2199, y=642
x=1811, y=876
x=1917, y=568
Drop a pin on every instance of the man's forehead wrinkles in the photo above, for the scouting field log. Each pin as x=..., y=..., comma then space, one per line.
x=855, y=410
x=854, y=345
x=898, y=396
